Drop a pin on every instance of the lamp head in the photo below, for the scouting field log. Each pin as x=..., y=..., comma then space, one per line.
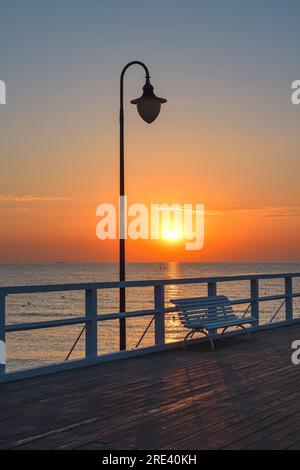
x=148, y=105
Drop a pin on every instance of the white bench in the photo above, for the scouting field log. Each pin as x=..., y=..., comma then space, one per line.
x=208, y=314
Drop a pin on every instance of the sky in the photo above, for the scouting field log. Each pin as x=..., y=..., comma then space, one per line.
x=227, y=137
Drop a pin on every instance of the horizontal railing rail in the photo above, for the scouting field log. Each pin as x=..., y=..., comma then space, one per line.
x=30, y=289
x=92, y=315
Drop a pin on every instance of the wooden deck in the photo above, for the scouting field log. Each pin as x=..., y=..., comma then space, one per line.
x=244, y=395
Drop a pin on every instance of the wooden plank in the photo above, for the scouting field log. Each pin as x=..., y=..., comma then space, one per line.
x=227, y=399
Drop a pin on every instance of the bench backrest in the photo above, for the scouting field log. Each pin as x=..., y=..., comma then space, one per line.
x=197, y=309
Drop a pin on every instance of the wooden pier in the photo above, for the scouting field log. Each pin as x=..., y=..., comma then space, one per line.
x=245, y=395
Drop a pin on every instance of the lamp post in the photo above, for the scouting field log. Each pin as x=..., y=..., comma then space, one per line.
x=148, y=106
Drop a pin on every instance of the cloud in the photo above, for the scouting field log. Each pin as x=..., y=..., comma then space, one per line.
x=29, y=198
x=280, y=212
x=259, y=211
x=15, y=210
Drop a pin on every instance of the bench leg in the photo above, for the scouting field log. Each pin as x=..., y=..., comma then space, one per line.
x=223, y=331
x=246, y=331
x=191, y=334
x=212, y=344
x=238, y=326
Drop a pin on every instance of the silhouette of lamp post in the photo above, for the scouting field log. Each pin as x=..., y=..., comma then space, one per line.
x=148, y=106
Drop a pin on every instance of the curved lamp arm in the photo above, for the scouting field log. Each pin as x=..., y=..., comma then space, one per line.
x=134, y=62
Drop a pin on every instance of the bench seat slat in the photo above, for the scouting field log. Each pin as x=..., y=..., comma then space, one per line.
x=204, y=300
x=205, y=319
x=202, y=319
x=211, y=313
x=203, y=314
x=213, y=325
x=202, y=306
x=206, y=308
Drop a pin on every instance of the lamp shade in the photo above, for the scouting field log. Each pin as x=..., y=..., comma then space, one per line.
x=148, y=105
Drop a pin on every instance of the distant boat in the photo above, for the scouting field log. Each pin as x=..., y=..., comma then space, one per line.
x=60, y=262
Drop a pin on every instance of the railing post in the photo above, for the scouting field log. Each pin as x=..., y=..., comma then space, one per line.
x=254, y=300
x=212, y=288
x=212, y=291
x=91, y=336
x=289, y=298
x=2, y=335
x=159, y=302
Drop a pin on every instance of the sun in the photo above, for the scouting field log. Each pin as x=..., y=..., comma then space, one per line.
x=171, y=235
x=171, y=229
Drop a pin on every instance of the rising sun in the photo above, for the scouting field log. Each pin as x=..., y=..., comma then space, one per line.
x=171, y=235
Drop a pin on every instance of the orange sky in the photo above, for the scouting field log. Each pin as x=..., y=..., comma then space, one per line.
x=227, y=138
x=48, y=231
x=249, y=189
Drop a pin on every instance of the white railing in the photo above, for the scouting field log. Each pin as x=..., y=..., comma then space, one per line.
x=92, y=316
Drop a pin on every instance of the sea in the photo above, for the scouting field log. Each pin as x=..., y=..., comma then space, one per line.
x=34, y=348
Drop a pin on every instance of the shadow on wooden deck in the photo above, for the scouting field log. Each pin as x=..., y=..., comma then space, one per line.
x=244, y=395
